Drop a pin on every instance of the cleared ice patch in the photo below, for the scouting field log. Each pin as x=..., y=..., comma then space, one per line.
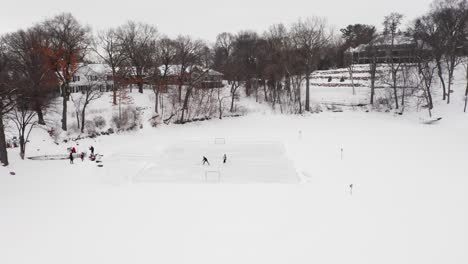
x=247, y=162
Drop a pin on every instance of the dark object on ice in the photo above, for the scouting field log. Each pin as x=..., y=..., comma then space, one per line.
x=100, y=165
x=342, y=79
x=224, y=158
x=431, y=121
x=82, y=155
x=329, y=79
x=351, y=189
x=12, y=173
x=92, y=150
x=71, y=157
x=205, y=160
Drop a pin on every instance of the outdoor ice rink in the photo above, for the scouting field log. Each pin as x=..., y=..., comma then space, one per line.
x=247, y=162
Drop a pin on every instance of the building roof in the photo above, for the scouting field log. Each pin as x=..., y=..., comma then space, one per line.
x=175, y=69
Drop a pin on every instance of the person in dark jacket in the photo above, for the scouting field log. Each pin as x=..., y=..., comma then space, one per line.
x=205, y=160
x=71, y=157
x=92, y=150
x=224, y=158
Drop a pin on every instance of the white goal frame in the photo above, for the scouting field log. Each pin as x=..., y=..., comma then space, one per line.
x=212, y=176
x=220, y=141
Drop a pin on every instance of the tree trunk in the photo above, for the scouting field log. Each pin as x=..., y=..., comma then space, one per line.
x=373, y=72
x=395, y=93
x=248, y=87
x=83, y=116
x=350, y=69
x=441, y=77
x=77, y=118
x=3, y=147
x=429, y=96
x=233, y=95
x=22, y=145
x=449, y=86
x=64, y=104
x=307, y=101
x=466, y=91
x=140, y=87
x=156, y=94
x=180, y=93
x=40, y=116
x=186, y=102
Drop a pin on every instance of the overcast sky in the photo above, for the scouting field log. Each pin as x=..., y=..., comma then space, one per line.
x=205, y=18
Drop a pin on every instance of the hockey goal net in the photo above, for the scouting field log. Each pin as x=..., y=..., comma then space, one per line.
x=212, y=176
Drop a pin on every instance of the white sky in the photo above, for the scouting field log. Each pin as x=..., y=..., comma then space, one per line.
x=205, y=18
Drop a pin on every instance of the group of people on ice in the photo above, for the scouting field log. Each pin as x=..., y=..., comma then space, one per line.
x=82, y=155
x=205, y=160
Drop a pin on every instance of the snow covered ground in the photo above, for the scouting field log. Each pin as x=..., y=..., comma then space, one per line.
x=409, y=201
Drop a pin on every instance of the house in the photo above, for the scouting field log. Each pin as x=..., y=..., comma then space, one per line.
x=200, y=77
x=96, y=76
x=380, y=49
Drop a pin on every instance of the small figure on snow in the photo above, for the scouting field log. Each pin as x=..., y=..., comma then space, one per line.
x=224, y=158
x=71, y=157
x=92, y=150
x=205, y=160
x=73, y=150
x=82, y=155
x=351, y=189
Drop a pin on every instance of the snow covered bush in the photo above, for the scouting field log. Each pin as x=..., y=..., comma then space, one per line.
x=129, y=119
x=90, y=127
x=55, y=133
x=99, y=122
x=155, y=121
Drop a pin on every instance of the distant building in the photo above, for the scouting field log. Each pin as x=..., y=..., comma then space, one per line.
x=381, y=50
x=95, y=76
x=198, y=76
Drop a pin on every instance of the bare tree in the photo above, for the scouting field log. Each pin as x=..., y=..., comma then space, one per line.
x=23, y=116
x=110, y=50
x=69, y=44
x=163, y=65
x=138, y=42
x=7, y=103
x=29, y=61
x=310, y=37
x=188, y=54
x=221, y=97
x=451, y=18
x=391, y=25
x=91, y=91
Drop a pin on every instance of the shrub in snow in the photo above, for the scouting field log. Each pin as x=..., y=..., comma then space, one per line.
x=155, y=121
x=129, y=119
x=54, y=133
x=99, y=122
x=90, y=127
x=316, y=108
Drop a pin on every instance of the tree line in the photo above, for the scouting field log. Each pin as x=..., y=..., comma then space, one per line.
x=271, y=66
